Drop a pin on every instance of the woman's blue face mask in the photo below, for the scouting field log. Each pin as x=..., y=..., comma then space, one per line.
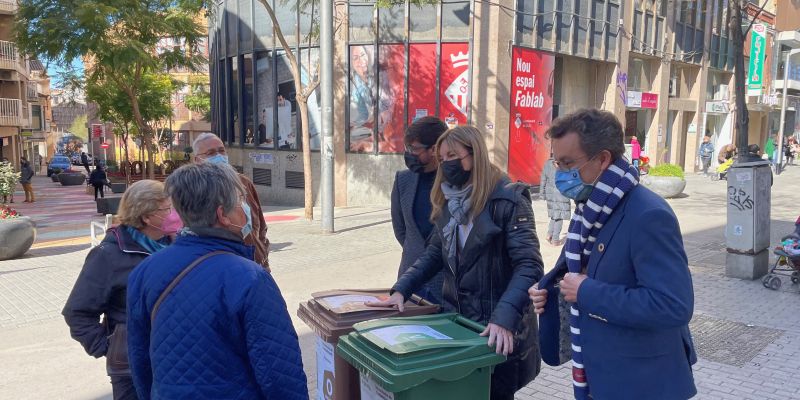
x=570, y=184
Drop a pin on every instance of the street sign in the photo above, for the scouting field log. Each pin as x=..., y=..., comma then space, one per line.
x=758, y=44
x=104, y=145
x=97, y=130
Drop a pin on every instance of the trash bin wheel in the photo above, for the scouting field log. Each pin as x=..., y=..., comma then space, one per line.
x=775, y=283
x=765, y=280
x=796, y=277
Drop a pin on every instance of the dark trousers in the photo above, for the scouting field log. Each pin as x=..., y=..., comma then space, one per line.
x=706, y=164
x=87, y=168
x=99, y=189
x=122, y=388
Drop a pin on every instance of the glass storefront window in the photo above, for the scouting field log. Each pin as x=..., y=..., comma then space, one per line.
x=287, y=20
x=263, y=26
x=247, y=103
x=265, y=100
x=285, y=103
x=245, y=20
x=422, y=23
x=309, y=71
x=361, y=23
x=233, y=98
x=391, y=24
x=455, y=20
x=362, y=98
x=231, y=25
x=309, y=24
x=639, y=75
x=421, y=80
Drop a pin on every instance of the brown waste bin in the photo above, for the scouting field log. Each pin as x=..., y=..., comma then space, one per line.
x=332, y=314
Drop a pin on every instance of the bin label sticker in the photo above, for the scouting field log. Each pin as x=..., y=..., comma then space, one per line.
x=744, y=176
x=370, y=390
x=325, y=374
x=347, y=302
x=393, y=335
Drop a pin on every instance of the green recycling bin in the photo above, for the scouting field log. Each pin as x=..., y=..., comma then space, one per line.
x=438, y=357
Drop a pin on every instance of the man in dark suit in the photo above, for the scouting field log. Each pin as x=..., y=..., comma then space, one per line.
x=411, y=198
x=631, y=291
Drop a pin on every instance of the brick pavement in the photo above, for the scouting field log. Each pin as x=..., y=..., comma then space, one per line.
x=748, y=336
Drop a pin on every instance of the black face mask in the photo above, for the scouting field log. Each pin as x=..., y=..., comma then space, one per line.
x=413, y=163
x=454, y=173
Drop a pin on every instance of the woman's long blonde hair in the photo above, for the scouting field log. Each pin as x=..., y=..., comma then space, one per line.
x=485, y=175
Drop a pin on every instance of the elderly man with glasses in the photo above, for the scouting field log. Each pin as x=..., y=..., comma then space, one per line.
x=209, y=148
x=204, y=321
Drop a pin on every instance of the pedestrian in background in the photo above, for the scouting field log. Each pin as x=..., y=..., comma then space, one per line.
x=411, y=198
x=558, y=206
x=485, y=242
x=209, y=148
x=96, y=308
x=705, y=152
x=204, y=320
x=85, y=162
x=636, y=152
x=98, y=179
x=623, y=270
x=26, y=175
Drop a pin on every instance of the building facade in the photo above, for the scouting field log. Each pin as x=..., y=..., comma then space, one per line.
x=25, y=113
x=665, y=68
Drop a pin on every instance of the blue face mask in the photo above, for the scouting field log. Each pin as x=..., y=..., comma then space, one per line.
x=218, y=159
x=570, y=184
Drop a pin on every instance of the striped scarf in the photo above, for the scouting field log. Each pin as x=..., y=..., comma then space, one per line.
x=588, y=219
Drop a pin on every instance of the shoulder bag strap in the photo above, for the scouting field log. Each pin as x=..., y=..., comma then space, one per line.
x=178, y=279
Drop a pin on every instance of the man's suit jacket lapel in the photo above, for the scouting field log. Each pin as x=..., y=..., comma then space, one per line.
x=604, y=239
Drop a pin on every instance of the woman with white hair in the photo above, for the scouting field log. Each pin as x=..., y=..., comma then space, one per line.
x=101, y=287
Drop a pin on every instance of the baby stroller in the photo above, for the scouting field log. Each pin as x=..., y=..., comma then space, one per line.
x=722, y=170
x=788, y=262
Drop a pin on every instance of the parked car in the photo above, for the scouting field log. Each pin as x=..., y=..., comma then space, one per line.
x=58, y=161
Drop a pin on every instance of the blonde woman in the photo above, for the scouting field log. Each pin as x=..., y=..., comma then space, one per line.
x=101, y=287
x=485, y=242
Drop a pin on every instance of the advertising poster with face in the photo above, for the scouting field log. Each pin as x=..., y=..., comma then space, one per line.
x=531, y=113
x=454, y=84
x=362, y=98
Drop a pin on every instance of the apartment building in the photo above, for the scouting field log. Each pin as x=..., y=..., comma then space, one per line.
x=25, y=112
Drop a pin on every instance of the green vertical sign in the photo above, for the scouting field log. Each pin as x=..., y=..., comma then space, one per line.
x=758, y=44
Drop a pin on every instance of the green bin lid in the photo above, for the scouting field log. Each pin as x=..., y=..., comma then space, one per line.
x=400, y=353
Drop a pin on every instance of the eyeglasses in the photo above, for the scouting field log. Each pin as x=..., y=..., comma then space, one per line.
x=567, y=165
x=415, y=148
x=213, y=152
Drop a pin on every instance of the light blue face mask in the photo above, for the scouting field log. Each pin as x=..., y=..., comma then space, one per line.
x=570, y=184
x=248, y=227
x=218, y=159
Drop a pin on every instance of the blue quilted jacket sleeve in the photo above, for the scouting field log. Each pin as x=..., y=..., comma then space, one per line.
x=272, y=343
x=139, y=338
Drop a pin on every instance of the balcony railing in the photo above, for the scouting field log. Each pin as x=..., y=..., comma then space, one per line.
x=10, y=112
x=8, y=7
x=9, y=56
x=33, y=91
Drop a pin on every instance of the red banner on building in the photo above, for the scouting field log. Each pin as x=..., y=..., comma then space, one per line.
x=421, y=81
x=531, y=113
x=649, y=100
x=454, y=83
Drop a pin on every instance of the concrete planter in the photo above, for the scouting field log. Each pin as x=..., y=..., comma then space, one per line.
x=108, y=205
x=664, y=186
x=16, y=237
x=118, y=187
x=71, y=179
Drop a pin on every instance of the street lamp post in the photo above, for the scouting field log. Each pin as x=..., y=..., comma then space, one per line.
x=781, y=133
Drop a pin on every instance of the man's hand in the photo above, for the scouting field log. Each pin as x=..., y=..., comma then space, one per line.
x=500, y=336
x=395, y=300
x=538, y=297
x=570, y=285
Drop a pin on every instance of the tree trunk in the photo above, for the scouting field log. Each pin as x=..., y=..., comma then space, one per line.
x=127, y=156
x=737, y=41
x=308, y=189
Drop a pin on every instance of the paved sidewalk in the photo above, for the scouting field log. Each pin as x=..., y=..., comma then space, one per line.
x=748, y=337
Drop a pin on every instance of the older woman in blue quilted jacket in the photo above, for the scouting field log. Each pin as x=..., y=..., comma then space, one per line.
x=204, y=320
